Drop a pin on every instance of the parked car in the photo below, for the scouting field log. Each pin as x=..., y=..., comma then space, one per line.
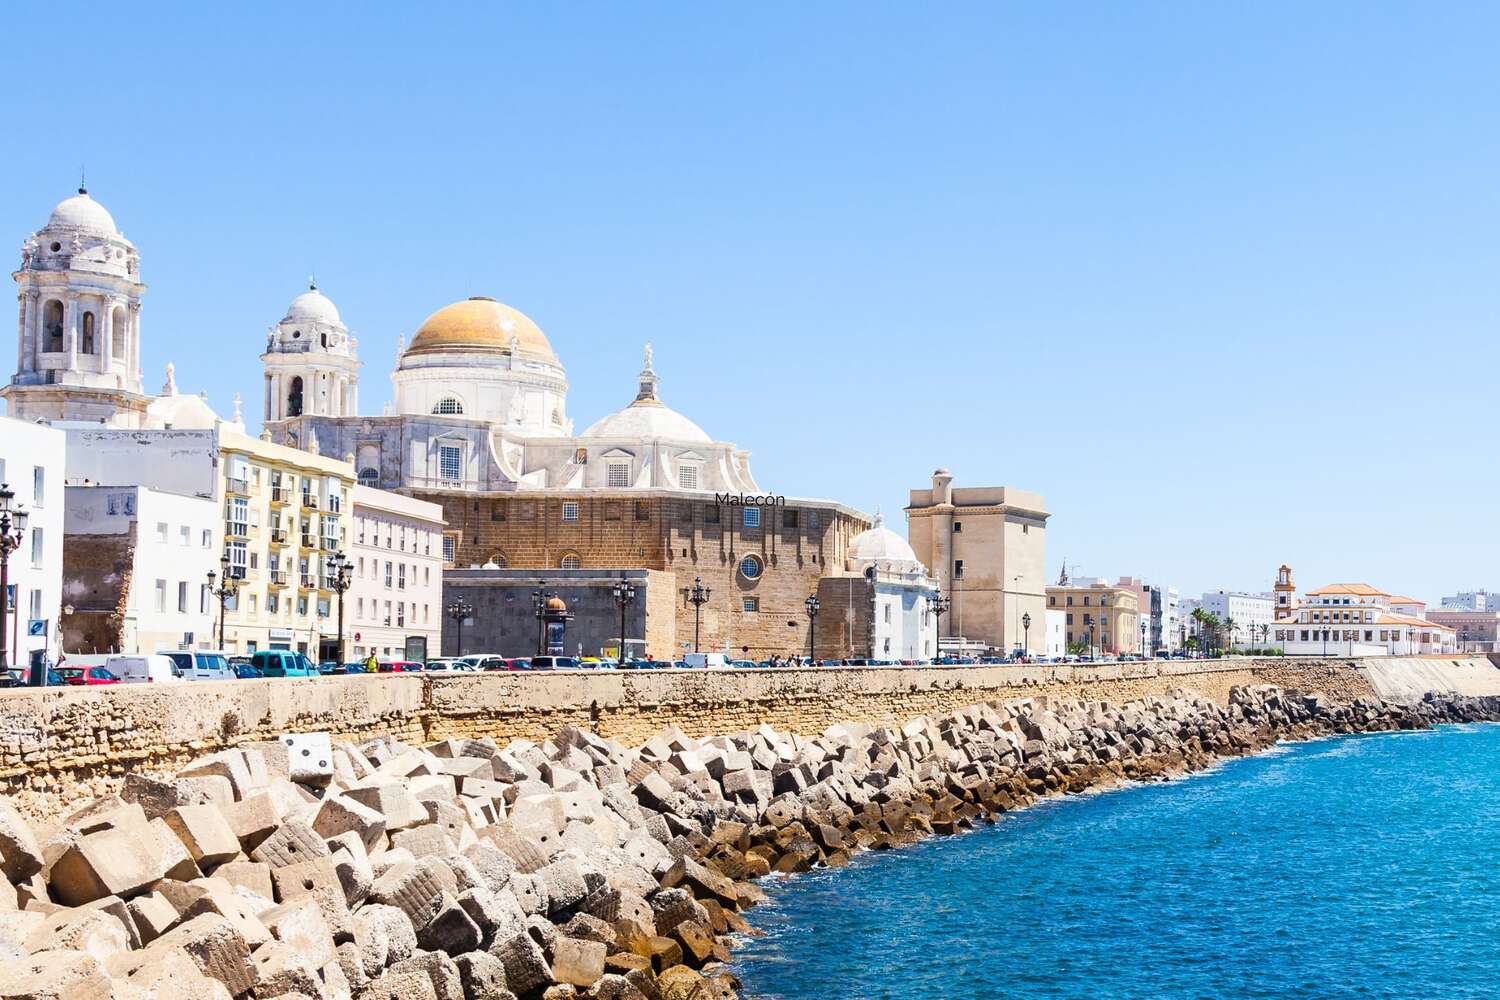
x=81, y=676
x=554, y=663
x=354, y=667
x=200, y=665
x=144, y=668
x=283, y=663
x=247, y=671
x=399, y=666
x=18, y=678
x=709, y=660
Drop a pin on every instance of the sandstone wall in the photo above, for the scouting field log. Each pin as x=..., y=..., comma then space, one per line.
x=59, y=745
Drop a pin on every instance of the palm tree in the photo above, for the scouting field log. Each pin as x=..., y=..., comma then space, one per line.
x=1229, y=626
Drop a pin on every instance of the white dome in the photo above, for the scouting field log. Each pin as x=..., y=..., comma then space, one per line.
x=82, y=212
x=646, y=421
x=313, y=306
x=879, y=543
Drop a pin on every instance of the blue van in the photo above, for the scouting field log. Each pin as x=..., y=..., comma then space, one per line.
x=282, y=663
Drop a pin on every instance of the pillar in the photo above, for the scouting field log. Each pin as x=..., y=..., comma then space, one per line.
x=70, y=331
x=106, y=331
x=133, y=344
x=26, y=357
x=38, y=335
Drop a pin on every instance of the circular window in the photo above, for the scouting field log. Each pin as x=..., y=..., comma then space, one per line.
x=751, y=567
x=56, y=247
x=296, y=334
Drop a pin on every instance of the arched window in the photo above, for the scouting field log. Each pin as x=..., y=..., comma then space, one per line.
x=448, y=405
x=570, y=560
x=88, y=333
x=369, y=477
x=52, y=325
x=751, y=567
x=117, y=341
x=294, y=398
x=323, y=339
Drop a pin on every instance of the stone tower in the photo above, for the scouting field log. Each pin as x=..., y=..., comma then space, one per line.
x=79, y=348
x=311, y=362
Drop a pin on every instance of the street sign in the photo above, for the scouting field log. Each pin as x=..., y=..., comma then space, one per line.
x=356, y=637
x=36, y=626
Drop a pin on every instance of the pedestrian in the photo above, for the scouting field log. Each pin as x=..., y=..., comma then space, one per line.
x=372, y=665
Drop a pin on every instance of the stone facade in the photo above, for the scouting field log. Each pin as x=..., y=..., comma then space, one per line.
x=687, y=536
x=504, y=620
x=60, y=744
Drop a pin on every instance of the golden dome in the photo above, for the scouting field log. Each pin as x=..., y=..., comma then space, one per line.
x=480, y=323
x=556, y=604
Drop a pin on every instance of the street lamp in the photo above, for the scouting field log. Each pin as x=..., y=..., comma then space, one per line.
x=812, y=605
x=12, y=528
x=698, y=597
x=624, y=592
x=1026, y=634
x=340, y=567
x=1089, y=621
x=937, y=606
x=1143, y=638
x=458, y=610
x=539, y=607
x=223, y=591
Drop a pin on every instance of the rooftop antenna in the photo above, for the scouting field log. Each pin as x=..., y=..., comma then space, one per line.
x=312, y=280
x=82, y=177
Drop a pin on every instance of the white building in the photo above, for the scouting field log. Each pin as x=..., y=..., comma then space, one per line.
x=396, y=594
x=136, y=570
x=902, y=624
x=32, y=463
x=311, y=361
x=1356, y=619
x=1167, y=620
x=1056, y=639
x=1250, y=613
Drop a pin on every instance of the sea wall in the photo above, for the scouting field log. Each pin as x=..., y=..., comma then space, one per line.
x=61, y=745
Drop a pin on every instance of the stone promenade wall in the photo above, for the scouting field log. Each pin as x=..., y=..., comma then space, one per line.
x=60, y=745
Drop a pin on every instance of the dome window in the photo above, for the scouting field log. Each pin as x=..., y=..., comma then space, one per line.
x=448, y=406
x=751, y=567
x=369, y=477
x=56, y=246
x=570, y=560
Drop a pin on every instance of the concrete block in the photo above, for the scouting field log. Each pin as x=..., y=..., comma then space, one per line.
x=405, y=984
x=293, y=843
x=253, y=819
x=440, y=971
x=223, y=901
x=216, y=947
x=427, y=840
x=379, y=924
x=526, y=968
x=578, y=962
x=564, y=884
x=393, y=801
x=300, y=925
x=451, y=930
x=309, y=758
x=153, y=915
x=412, y=889
x=343, y=814
x=281, y=971
x=205, y=833
x=176, y=862
x=482, y=975
x=93, y=932
x=55, y=975
x=252, y=875
x=495, y=867
x=111, y=862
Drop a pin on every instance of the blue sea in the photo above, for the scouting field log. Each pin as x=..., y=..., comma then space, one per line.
x=1361, y=866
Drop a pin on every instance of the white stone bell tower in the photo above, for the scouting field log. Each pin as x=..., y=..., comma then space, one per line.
x=79, y=343
x=312, y=364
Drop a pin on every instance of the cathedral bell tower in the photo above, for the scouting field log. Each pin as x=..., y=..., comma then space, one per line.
x=79, y=347
x=311, y=362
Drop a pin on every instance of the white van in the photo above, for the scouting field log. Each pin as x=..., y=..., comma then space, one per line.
x=200, y=664
x=144, y=668
x=713, y=661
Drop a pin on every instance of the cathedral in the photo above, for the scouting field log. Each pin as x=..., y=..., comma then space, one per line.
x=480, y=426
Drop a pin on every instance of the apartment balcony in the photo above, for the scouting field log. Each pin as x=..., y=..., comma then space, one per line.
x=240, y=486
x=278, y=578
x=309, y=501
x=236, y=529
x=325, y=583
x=309, y=542
x=333, y=505
x=330, y=544
x=279, y=536
x=280, y=496
x=305, y=581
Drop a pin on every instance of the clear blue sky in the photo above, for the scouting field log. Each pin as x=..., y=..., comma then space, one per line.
x=1220, y=283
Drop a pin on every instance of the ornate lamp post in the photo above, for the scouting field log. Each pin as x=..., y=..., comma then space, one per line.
x=624, y=592
x=539, y=605
x=458, y=610
x=937, y=606
x=1026, y=633
x=698, y=597
x=1143, y=637
x=341, y=579
x=1089, y=621
x=812, y=605
x=12, y=528
x=223, y=591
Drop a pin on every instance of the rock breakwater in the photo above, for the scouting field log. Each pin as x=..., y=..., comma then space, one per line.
x=573, y=867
